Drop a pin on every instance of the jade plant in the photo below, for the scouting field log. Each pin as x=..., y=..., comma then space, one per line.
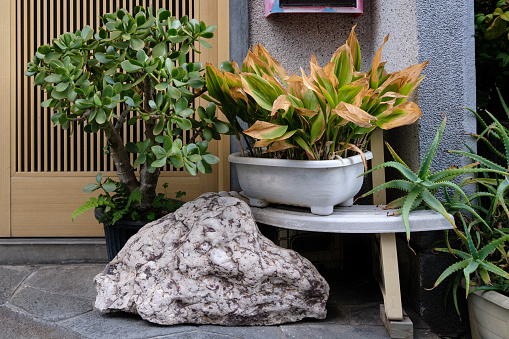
x=135, y=69
x=330, y=113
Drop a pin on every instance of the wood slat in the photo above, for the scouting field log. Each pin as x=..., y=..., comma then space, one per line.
x=5, y=127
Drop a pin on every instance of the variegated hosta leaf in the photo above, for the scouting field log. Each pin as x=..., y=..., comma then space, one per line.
x=329, y=73
x=309, y=83
x=265, y=130
x=295, y=85
x=305, y=111
x=354, y=148
x=280, y=145
x=267, y=142
x=255, y=64
x=282, y=102
x=319, y=75
x=238, y=93
x=412, y=73
x=233, y=79
x=273, y=63
x=354, y=114
x=411, y=111
x=273, y=81
x=376, y=62
x=235, y=67
x=355, y=50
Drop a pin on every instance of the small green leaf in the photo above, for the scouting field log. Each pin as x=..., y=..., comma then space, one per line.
x=129, y=67
x=159, y=127
x=181, y=104
x=109, y=187
x=101, y=117
x=159, y=152
x=210, y=158
x=139, y=160
x=136, y=44
x=131, y=147
x=159, y=162
x=90, y=188
x=174, y=93
x=161, y=86
x=53, y=78
x=161, y=49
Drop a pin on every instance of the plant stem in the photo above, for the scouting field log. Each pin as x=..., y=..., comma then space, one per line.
x=148, y=180
x=121, y=159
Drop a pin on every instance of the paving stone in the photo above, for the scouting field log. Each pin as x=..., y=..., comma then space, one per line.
x=120, y=325
x=245, y=332
x=10, y=278
x=424, y=334
x=307, y=332
x=359, y=332
x=71, y=280
x=198, y=335
x=50, y=306
x=365, y=314
x=16, y=325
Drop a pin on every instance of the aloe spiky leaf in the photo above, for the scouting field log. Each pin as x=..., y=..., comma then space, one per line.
x=460, y=265
x=436, y=205
x=491, y=166
x=395, y=156
x=405, y=171
x=428, y=158
x=407, y=207
x=458, y=253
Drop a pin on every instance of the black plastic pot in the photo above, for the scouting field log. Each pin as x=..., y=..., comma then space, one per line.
x=118, y=233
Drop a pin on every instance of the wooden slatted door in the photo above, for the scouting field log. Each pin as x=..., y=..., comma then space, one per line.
x=44, y=168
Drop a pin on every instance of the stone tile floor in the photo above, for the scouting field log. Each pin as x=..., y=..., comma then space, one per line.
x=56, y=301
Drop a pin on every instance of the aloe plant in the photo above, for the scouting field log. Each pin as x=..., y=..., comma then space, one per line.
x=422, y=186
x=322, y=115
x=475, y=260
x=485, y=239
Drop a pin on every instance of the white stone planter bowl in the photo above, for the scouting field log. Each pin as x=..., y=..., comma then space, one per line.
x=318, y=184
x=489, y=314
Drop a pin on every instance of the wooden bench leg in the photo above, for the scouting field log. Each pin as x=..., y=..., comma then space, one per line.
x=396, y=322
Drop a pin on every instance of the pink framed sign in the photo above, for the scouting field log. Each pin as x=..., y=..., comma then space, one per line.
x=312, y=6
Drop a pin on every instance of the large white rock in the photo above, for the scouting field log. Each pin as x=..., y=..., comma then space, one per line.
x=207, y=263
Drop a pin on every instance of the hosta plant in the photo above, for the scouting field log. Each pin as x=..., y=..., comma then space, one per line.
x=326, y=114
x=134, y=70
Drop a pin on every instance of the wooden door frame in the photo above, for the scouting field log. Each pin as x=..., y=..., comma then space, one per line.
x=5, y=114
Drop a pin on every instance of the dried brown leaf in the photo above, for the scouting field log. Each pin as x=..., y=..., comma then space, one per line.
x=282, y=102
x=280, y=145
x=413, y=114
x=354, y=114
x=377, y=59
x=260, y=128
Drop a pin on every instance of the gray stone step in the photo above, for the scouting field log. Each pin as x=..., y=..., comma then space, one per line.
x=34, y=251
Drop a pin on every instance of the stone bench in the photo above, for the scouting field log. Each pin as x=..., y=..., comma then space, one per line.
x=367, y=219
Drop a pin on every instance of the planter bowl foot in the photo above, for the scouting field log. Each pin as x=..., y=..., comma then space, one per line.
x=258, y=202
x=347, y=203
x=322, y=210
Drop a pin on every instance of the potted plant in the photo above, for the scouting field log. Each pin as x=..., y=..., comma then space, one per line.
x=483, y=262
x=318, y=121
x=134, y=70
x=483, y=236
